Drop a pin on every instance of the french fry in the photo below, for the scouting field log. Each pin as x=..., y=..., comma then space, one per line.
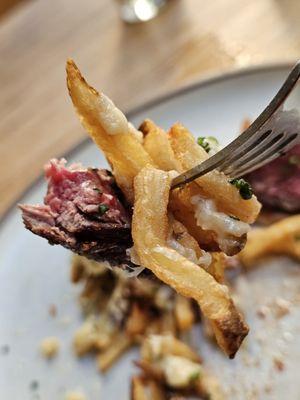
x=214, y=184
x=184, y=313
x=138, y=389
x=181, y=207
x=217, y=266
x=137, y=321
x=146, y=389
x=91, y=336
x=149, y=231
x=282, y=237
x=157, y=145
x=166, y=345
x=117, y=347
x=208, y=387
x=109, y=129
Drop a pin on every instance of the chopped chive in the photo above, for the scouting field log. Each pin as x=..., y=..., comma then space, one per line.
x=203, y=143
x=244, y=188
x=103, y=208
x=194, y=377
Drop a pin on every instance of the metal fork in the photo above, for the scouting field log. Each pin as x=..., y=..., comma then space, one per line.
x=269, y=136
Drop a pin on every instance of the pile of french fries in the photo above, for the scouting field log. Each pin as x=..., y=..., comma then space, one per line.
x=143, y=163
x=121, y=311
x=141, y=166
x=162, y=358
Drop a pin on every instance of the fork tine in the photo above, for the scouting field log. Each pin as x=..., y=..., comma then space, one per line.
x=251, y=155
x=266, y=156
x=248, y=140
x=245, y=148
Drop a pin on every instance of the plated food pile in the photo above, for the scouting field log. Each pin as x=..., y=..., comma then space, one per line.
x=179, y=239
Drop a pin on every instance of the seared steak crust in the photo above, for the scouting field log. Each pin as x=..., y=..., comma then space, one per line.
x=83, y=212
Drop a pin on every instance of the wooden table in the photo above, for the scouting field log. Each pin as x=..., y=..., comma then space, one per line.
x=188, y=40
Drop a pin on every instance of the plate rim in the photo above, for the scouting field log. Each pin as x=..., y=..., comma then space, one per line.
x=206, y=80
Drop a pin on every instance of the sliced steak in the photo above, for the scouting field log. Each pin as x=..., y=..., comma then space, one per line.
x=277, y=184
x=83, y=211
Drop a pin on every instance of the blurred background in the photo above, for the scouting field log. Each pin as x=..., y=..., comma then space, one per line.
x=188, y=40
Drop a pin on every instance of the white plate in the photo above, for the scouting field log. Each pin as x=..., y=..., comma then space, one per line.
x=34, y=275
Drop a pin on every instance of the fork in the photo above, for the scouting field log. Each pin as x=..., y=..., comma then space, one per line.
x=273, y=133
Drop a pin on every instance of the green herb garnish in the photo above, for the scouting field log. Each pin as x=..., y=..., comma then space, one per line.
x=97, y=190
x=103, y=208
x=208, y=143
x=194, y=377
x=203, y=143
x=244, y=188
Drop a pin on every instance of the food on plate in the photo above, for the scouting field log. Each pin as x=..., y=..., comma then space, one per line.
x=110, y=130
x=83, y=212
x=49, y=347
x=180, y=235
x=120, y=310
x=172, y=369
x=277, y=184
x=282, y=237
x=150, y=230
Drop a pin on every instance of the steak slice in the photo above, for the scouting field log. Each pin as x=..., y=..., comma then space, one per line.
x=83, y=211
x=277, y=184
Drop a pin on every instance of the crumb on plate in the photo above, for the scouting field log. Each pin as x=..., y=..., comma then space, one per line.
x=52, y=310
x=75, y=395
x=49, y=347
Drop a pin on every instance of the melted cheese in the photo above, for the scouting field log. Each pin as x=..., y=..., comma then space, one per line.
x=209, y=218
x=112, y=119
x=179, y=371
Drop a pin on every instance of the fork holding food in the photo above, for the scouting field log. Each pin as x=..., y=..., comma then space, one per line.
x=176, y=234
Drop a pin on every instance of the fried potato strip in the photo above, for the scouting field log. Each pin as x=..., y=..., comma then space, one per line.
x=109, y=129
x=157, y=144
x=149, y=231
x=282, y=237
x=214, y=185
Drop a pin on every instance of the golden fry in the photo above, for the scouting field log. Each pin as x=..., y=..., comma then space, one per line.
x=109, y=129
x=149, y=231
x=137, y=321
x=214, y=184
x=282, y=237
x=157, y=144
x=117, y=347
x=184, y=313
x=166, y=344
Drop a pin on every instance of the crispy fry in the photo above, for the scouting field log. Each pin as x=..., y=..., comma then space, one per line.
x=117, y=347
x=109, y=129
x=150, y=228
x=208, y=387
x=282, y=237
x=184, y=313
x=217, y=267
x=138, y=389
x=155, y=346
x=146, y=389
x=157, y=144
x=184, y=212
x=214, y=184
x=92, y=335
x=137, y=321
